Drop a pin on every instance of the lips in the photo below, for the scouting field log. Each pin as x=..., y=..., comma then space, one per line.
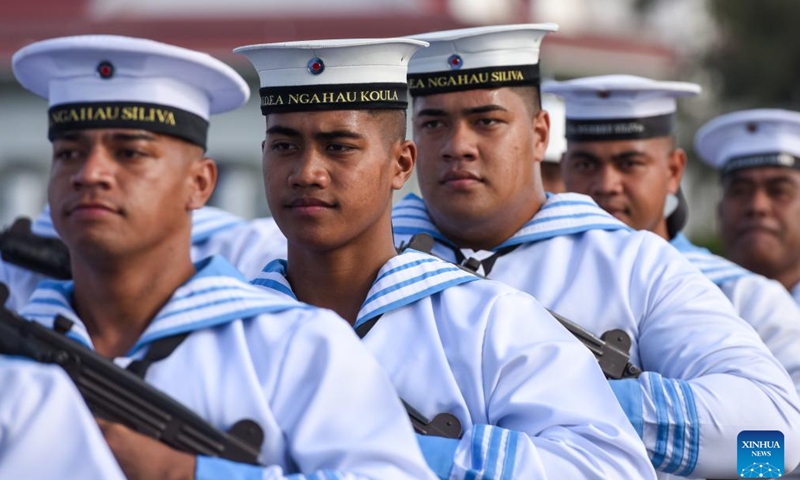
x=751, y=229
x=307, y=202
x=458, y=175
x=89, y=206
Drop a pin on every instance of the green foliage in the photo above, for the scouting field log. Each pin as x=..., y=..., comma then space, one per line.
x=756, y=62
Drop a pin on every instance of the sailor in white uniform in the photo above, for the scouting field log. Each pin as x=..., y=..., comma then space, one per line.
x=481, y=136
x=631, y=176
x=214, y=232
x=129, y=125
x=46, y=431
x=757, y=153
x=531, y=400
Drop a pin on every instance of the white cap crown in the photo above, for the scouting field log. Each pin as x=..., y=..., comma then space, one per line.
x=332, y=74
x=750, y=139
x=481, y=57
x=97, y=73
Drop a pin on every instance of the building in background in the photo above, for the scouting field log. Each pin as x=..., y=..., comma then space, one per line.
x=596, y=37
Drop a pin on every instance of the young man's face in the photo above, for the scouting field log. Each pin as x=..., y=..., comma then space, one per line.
x=760, y=219
x=478, y=154
x=124, y=191
x=630, y=179
x=329, y=176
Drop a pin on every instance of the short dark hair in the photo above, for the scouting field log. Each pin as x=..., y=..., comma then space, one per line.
x=530, y=96
x=394, y=122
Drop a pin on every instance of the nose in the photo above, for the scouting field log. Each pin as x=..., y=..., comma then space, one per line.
x=461, y=143
x=758, y=203
x=607, y=182
x=309, y=171
x=95, y=170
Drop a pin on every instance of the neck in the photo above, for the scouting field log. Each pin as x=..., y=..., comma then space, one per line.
x=118, y=296
x=661, y=229
x=789, y=278
x=340, y=278
x=490, y=231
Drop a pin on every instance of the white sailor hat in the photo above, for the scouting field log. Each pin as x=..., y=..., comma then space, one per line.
x=557, y=144
x=109, y=81
x=355, y=74
x=619, y=107
x=749, y=139
x=474, y=58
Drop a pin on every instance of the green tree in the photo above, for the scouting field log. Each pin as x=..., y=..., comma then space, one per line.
x=756, y=61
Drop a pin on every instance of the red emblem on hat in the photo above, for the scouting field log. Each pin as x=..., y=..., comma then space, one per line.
x=105, y=69
x=316, y=66
x=455, y=61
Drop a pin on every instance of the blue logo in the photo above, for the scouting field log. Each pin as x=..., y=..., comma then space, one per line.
x=760, y=454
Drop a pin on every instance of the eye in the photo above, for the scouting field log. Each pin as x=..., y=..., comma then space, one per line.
x=431, y=124
x=65, y=154
x=280, y=146
x=582, y=165
x=339, y=148
x=487, y=122
x=129, y=153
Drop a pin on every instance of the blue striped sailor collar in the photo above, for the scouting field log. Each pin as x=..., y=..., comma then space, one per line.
x=561, y=214
x=402, y=280
x=206, y=222
x=718, y=269
x=215, y=295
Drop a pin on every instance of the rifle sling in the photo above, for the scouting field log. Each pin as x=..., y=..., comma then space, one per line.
x=159, y=350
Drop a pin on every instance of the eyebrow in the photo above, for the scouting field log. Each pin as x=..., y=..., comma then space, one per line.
x=435, y=112
x=618, y=156
x=331, y=135
x=134, y=136
x=117, y=136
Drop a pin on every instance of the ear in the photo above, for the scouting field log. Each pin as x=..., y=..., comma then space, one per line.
x=540, y=124
x=203, y=180
x=404, y=157
x=676, y=164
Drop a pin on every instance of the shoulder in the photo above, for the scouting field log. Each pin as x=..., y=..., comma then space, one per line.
x=33, y=381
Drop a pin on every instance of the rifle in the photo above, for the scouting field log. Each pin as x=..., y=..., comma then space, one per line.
x=610, y=349
x=48, y=256
x=116, y=394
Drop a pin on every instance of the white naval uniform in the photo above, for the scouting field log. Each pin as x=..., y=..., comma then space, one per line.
x=214, y=232
x=707, y=374
x=532, y=400
x=763, y=303
x=326, y=407
x=46, y=431
x=796, y=293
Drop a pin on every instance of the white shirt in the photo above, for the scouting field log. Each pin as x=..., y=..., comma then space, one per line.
x=46, y=431
x=214, y=232
x=326, y=407
x=532, y=400
x=707, y=374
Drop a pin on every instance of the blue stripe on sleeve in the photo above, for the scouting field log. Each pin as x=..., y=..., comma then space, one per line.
x=662, y=417
x=477, y=452
x=511, y=456
x=679, y=427
x=694, y=430
x=495, y=441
